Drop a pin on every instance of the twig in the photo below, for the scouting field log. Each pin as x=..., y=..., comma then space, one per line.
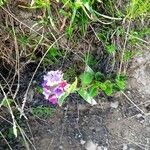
x=133, y=103
x=124, y=48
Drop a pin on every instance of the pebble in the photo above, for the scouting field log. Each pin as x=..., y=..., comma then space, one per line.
x=114, y=104
x=139, y=115
x=101, y=148
x=125, y=147
x=90, y=145
x=82, y=142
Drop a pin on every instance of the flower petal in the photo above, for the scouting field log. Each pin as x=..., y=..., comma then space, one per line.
x=53, y=99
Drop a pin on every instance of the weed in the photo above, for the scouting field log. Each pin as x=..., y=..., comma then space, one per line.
x=70, y=74
x=42, y=111
x=111, y=48
x=138, y=8
x=121, y=30
x=2, y=2
x=53, y=56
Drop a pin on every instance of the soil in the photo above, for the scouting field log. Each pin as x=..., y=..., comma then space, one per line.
x=120, y=122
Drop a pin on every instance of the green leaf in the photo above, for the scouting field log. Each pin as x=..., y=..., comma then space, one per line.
x=99, y=76
x=2, y=2
x=93, y=92
x=53, y=52
x=39, y=90
x=109, y=88
x=62, y=99
x=108, y=83
x=121, y=84
x=73, y=86
x=109, y=91
x=111, y=48
x=86, y=78
x=84, y=94
x=102, y=86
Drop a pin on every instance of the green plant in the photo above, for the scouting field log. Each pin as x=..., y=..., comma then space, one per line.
x=138, y=8
x=70, y=73
x=39, y=90
x=53, y=56
x=92, y=82
x=111, y=48
x=42, y=111
x=40, y=3
x=2, y=2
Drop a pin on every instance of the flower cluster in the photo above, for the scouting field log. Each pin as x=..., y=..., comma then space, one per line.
x=54, y=86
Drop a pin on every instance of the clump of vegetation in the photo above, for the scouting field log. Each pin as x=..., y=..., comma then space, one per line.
x=42, y=111
x=114, y=33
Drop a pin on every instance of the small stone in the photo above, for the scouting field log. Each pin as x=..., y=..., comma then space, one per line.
x=60, y=147
x=101, y=148
x=131, y=149
x=128, y=92
x=125, y=147
x=82, y=142
x=114, y=104
x=119, y=118
x=90, y=145
x=142, y=121
x=104, y=148
x=139, y=115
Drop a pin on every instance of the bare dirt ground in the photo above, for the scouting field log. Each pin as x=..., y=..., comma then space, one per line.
x=121, y=122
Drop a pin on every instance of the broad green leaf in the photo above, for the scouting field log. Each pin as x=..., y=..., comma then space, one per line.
x=102, y=86
x=86, y=78
x=121, y=84
x=108, y=91
x=108, y=83
x=78, y=4
x=109, y=87
x=93, y=92
x=84, y=94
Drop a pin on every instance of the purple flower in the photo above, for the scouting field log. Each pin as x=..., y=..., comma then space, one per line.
x=54, y=86
x=58, y=91
x=53, y=78
x=44, y=83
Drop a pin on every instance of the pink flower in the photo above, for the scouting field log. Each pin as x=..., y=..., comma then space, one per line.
x=54, y=86
x=53, y=99
x=63, y=84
